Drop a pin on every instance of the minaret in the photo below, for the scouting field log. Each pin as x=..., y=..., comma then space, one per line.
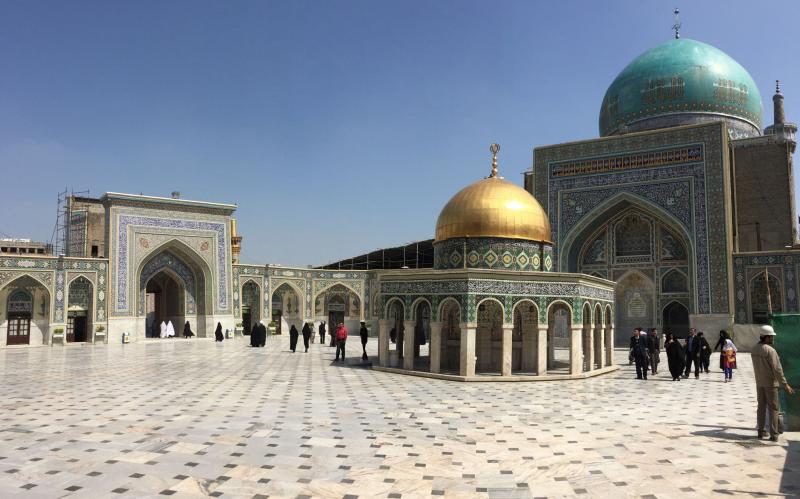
x=777, y=105
x=784, y=132
x=236, y=242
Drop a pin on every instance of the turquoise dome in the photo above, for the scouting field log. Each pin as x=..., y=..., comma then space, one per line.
x=681, y=82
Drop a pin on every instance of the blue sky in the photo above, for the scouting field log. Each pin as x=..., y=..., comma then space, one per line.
x=337, y=127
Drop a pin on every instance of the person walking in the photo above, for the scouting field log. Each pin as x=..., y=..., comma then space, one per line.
x=364, y=333
x=689, y=351
x=729, y=353
x=341, y=339
x=218, y=332
x=332, y=334
x=703, y=354
x=675, y=356
x=306, y=335
x=639, y=352
x=654, y=349
x=187, y=330
x=293, y=334
x=769, y=376
x=720, y=345
x=322, y=333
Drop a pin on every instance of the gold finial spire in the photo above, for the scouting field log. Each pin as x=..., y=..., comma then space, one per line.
x=777, y=86
x=677, y=25
x=494, y=149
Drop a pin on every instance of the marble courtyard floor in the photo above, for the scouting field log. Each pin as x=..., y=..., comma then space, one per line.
x=194, y=418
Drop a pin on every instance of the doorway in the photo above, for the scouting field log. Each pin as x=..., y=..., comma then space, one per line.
x=19, y=329
x=676, y=320
x=77, y=327
x=246, y=320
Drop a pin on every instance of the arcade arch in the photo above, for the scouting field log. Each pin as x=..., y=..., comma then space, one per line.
x=422, y=333
x=395, y=315
x=450, y=317
x=250, y=305
x=336, y=304
x=559, y=337
x=489, y=337
x=524, y=337
x=763, y=301
x=175, y=285
x=79, y=310
x=287, y=308
x=25, y=312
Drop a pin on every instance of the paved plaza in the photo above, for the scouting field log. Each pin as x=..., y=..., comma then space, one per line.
x=191, y=418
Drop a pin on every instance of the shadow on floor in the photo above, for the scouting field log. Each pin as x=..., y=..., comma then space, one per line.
x=724, y=433
x=753, y=493
x=790, y=479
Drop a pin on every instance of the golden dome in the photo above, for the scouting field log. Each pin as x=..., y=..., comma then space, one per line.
x=493, y=207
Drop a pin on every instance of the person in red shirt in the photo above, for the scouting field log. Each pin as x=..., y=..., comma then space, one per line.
x=341, y=338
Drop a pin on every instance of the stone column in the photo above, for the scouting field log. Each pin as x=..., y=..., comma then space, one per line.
x=408, y=345
x=383, y=343
x=588, y=348
x=576, y=350
x=507, y=348
x=600, y=354
x=467, y=364
x=435, y=347
x=609, y=345
x=530, y=349
x=541, y=350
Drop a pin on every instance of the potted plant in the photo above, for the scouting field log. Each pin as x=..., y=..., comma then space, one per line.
x=99, y=329
x=58, y=334
x=272, y=327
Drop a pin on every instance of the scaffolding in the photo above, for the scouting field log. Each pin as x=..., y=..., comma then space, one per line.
x=64, y=240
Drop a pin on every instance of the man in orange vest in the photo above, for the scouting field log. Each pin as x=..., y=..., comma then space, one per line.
x=341, y=338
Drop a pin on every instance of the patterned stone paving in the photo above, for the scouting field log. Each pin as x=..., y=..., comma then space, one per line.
x=193, y=418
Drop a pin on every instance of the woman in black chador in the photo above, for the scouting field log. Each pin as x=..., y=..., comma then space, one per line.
x=187, y=330
x=675, y=356
x=293, y=334
x=306, y=335
x=364, y=333
x=255, y=336
x=218, y=332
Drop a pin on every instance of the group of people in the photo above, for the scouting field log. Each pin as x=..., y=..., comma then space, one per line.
x=645, y=351
x=167, y=330
x=338, y=338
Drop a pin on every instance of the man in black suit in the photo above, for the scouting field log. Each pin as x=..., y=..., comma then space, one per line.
x=639, y=353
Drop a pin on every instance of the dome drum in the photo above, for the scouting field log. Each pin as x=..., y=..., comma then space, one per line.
x=493, y=253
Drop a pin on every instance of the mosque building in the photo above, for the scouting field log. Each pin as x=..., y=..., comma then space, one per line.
x=684, y=202
x=681, y=214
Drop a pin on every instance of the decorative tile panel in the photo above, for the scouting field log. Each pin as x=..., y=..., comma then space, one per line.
x=123, y=250
x=681, y=171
